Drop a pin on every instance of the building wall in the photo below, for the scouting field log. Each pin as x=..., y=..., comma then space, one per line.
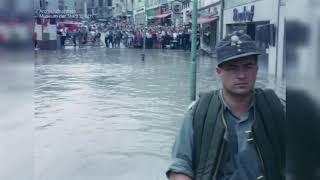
x=138, y=4
x=36, y=4
x=70, y=4
x=281, y=49
x=235, y=3
x=94, y=7
x=204, y=3
x=138, y=12
x=53, y=5
x=152, y=4
x=120, y=7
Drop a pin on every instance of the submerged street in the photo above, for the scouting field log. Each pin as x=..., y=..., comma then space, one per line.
x=106, y=114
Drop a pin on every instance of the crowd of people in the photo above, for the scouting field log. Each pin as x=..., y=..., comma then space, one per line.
x=155, y=37
x=121, y=33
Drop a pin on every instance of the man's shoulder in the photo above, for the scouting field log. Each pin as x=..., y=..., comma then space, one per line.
x=270, y=95
x=267, y=93
x=192, y=105
x=203, y=96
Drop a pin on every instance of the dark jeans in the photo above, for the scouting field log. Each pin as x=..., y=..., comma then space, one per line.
x=63, y=39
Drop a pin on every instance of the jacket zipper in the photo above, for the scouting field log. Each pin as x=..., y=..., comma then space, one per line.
x=259, y=154
x=222, y=149
x=256, y=144
x=219, y=160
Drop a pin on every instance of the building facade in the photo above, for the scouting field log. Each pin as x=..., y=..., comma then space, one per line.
x=52, y=5
x=70, y=4
x=97, y=9
x=122, y=8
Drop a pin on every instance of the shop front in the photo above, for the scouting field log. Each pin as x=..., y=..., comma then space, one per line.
x=160, y=15
x=209, y=27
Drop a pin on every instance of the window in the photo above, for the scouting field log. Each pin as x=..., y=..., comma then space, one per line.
x=109, y=2
x=101, y=3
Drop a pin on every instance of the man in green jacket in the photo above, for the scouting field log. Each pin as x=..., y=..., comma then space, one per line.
x=234, y=133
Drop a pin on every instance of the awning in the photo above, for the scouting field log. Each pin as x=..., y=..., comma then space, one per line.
x=159, y=16
x=206, y=20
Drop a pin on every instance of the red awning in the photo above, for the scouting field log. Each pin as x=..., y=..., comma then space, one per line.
x=206, y=20
x=159, y=16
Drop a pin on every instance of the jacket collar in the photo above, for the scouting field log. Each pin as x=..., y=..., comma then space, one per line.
x=227, y=107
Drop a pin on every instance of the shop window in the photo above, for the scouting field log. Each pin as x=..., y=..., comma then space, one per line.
x=110, y=2
x=251, y=30
x=101, y=3
x=52, y=21
x=209, y=35
x=42, y=4
x=265, y=35
x=206, y=30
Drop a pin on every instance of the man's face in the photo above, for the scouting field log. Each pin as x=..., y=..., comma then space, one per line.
x=239, y=76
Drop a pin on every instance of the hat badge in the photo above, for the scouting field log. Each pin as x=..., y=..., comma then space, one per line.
x=235, y=40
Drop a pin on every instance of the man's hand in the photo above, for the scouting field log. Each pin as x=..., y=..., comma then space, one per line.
x=176, y=176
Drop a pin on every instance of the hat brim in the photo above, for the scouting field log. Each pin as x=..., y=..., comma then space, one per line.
x=232, y=58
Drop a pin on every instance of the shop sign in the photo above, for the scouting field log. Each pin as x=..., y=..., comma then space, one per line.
x=245, y=15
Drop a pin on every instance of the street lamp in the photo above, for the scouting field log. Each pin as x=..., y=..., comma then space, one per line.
x=193, y=87
x=144, y=31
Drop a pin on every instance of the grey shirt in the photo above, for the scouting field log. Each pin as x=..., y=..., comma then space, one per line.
x=242, y=162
